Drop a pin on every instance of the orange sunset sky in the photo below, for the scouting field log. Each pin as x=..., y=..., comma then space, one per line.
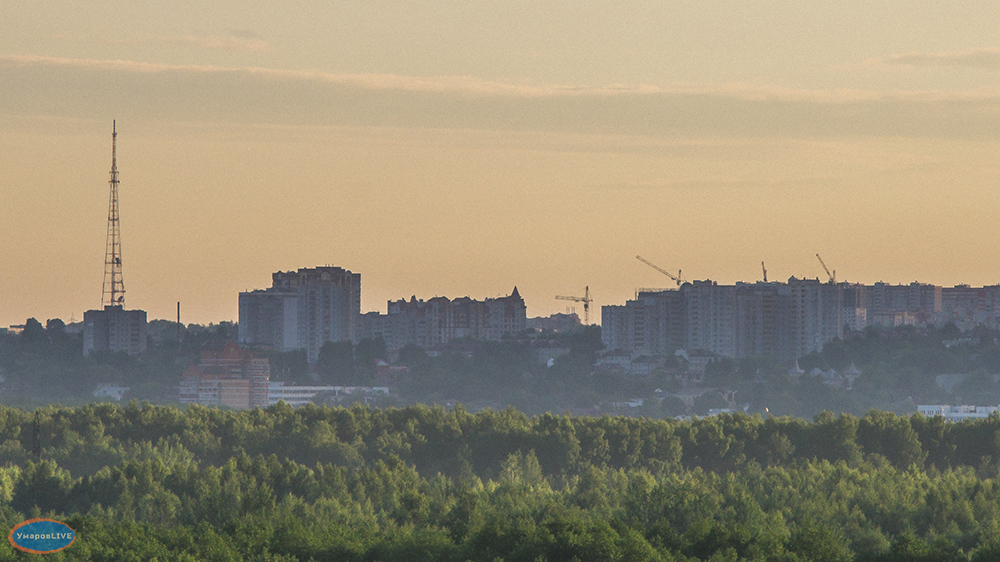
x=461, y=148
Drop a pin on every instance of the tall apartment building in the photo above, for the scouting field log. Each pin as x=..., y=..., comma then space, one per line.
x=971, y=306
x=783, y=320
x=742, y=320
x=651, y=324
x=270, y=317
x=891, y=305
x=229, y=376
x=764, y=320
x=854, y=308
x=733, y=321
x=441, y=320
x=817, y=314
x=710, y=317
x=303, y=309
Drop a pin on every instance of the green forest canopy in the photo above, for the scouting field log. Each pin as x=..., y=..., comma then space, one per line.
x=418, y=483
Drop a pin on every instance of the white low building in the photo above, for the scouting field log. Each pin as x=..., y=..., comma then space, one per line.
x=110, y=391
x=299, y=395
x=957, y=413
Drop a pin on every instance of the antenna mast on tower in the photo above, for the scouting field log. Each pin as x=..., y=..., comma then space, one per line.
x=114, y=286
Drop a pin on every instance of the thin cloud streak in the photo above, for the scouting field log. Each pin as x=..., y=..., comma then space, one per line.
x=238, y=41
x=248, y=95
x=974, y=58
x=224, y=43
x=467, y=84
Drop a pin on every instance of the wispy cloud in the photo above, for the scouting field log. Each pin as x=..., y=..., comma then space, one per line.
x=455, y=84
x=237, y=40
x=256, y=95
x=224, y=42
x=974, y=58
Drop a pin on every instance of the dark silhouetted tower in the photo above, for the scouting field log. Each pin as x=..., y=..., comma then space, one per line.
x=114, y=285
x=113, y=328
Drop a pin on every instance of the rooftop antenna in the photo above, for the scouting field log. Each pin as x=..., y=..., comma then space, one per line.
x=114, y=287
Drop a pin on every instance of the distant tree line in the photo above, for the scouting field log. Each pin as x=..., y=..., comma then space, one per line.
x=419, y=483
x=44, y=364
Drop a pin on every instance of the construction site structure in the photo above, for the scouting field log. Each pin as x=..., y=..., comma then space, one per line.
x=585, y=299
x=679, y=279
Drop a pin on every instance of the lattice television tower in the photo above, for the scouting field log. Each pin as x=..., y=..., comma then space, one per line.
x=114, y=285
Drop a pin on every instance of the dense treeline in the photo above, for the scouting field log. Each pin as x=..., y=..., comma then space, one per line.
x=44, y=364
x=420, y=483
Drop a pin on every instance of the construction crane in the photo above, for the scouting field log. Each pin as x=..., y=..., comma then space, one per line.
x=832, y=276
x=585, y=299
x=765, y=271
x=677, y=278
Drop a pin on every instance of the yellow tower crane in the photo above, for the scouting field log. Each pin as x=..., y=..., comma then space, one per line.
x=832, y=276
x=677, y=278
x=585, y=299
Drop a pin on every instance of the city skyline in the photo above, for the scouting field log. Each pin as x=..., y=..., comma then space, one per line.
x=462, y=149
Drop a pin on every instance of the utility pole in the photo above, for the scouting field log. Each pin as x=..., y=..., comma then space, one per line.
x=36, y=439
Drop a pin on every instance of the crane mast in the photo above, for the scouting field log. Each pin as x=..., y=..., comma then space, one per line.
x=585, y=299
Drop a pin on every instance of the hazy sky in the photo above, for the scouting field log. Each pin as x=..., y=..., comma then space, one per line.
x=464, y=147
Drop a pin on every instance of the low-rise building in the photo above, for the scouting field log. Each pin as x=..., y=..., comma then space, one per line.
x=110, y=391
x=300, y=395
x=114, y=329
x=957, y=413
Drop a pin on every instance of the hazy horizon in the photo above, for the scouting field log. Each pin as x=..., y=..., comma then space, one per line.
x=455, y=148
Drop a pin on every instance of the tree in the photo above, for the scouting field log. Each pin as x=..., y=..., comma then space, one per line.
x=366, y=354
x=891, y=436
x=336, y=363
x=33, y=331
x=412, y=355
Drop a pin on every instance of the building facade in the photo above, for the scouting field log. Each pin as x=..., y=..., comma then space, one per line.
x=764, y=320
x=114, y=329
x=229, y=376
x=440, y=320
x=783, y=320
x=743, y=320
x=303, y=310
x=270, y=318
x=817, y=314
x=971, y=306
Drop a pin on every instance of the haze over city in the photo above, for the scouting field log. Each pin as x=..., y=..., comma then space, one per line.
x=462, y=149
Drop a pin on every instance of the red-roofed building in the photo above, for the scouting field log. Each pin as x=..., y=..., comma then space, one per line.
x=227, y=376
